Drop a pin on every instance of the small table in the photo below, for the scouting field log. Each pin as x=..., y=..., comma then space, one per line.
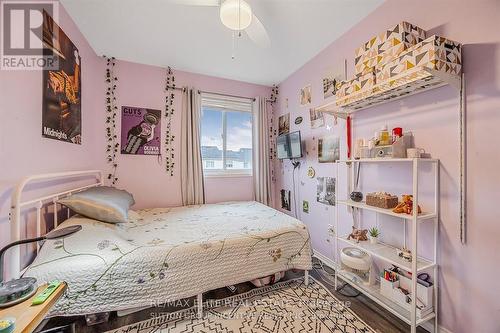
x=28, y=316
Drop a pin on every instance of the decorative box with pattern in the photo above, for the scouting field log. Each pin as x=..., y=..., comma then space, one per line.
x=434, y=53
x=358, y=83
x=371, y=64
x=387, y=45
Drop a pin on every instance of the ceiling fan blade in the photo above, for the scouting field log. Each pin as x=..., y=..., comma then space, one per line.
x=257, y=33
x=207, y=3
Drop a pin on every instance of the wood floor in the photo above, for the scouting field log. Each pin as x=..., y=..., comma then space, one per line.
x=375, y=316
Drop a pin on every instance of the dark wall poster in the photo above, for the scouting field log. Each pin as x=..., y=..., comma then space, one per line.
x=141, y=131
x=62, y=87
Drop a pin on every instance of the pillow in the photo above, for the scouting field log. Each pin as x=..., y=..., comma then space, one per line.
x=102, y=203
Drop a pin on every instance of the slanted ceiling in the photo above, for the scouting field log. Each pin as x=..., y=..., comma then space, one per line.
x=192, y=38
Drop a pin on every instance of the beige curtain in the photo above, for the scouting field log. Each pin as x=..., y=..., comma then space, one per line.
x=261, y=162
x=192, y=187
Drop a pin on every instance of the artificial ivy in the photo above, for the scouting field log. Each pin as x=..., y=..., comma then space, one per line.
x=272, y=129
x=111, y=114
x=169, y=112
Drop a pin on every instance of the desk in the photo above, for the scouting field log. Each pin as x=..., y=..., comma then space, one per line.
x=28, y=316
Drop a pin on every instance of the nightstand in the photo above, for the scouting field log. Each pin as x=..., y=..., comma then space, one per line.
x=28, y=316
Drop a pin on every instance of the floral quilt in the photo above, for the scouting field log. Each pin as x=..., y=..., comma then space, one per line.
x=166, y=254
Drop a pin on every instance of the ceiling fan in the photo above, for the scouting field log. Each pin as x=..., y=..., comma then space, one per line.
x=237, y=15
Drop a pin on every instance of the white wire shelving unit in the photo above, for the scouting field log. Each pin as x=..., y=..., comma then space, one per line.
x=387, y=252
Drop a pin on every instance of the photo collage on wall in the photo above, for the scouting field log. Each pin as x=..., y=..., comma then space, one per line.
x=62, y=87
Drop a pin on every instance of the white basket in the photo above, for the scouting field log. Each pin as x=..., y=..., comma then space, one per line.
x=391, y=291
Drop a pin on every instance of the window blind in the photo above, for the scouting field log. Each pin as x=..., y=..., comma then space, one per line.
x=226, y=102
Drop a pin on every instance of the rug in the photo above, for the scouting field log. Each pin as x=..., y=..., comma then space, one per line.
x=288, y=306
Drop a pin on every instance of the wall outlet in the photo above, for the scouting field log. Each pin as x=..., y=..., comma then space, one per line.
x=331, y=230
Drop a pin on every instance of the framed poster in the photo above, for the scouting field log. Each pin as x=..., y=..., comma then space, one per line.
x=141, y=131
x=62, y=87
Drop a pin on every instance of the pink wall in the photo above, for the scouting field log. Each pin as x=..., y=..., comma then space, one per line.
x=142, y=85
x=469, y=302
x=23, y=151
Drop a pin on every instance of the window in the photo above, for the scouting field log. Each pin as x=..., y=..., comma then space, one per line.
x=226, y=135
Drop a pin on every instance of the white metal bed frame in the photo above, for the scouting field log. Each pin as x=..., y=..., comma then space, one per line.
x=17, y=204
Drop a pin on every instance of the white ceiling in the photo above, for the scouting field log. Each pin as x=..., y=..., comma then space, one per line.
x=193, y=39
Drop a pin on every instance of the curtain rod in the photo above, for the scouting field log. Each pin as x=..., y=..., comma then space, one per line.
x=209, y=92
x=176, y=88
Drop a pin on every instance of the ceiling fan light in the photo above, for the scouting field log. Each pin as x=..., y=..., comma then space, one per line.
x=236, y=14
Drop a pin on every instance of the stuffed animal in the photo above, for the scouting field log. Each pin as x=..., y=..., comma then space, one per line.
x=406, y=206
x=358, y=234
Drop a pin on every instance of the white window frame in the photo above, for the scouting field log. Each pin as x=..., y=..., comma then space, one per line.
x=228, y=104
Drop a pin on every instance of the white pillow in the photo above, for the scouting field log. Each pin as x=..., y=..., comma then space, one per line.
x=103, y=203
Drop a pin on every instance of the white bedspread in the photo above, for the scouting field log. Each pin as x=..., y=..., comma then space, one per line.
x=166, y=254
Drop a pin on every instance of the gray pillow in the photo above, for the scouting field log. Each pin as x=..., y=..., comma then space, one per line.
x=102, y=203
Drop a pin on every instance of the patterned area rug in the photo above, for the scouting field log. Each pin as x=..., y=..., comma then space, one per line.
x=287, y=306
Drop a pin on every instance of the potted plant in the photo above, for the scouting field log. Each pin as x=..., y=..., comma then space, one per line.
x=374, y=233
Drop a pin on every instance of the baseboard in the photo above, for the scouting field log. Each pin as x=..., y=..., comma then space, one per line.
x=329, y=262
x=428, y=326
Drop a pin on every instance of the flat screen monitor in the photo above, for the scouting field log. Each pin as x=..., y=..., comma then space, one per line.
x=289, y=145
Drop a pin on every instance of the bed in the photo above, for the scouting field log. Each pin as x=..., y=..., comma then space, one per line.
x=167, y=254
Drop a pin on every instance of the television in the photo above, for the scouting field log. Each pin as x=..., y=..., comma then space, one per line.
x=289, y=145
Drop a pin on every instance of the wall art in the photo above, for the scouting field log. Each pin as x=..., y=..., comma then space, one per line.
x=325, y=190
x=285, y=199
x=317, y=118
x=141, y=131
x=284, y=124
x=328, y=149
x=62, y=88
x=332, y=79
x=305, y=206
x=306, y=95
x=311, y=172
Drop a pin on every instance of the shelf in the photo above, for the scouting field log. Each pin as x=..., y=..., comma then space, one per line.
x=388, y=254
x=373, y=292
x=363, y=205
x=389, y=160
x=405, y=84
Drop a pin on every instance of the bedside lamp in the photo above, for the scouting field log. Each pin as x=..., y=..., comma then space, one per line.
x=17, y=290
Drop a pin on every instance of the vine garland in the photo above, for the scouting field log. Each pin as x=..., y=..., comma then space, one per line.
x=169, y=112
x=111, y=114
x=272, y=129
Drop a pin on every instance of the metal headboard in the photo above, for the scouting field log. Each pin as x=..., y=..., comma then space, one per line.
x=17, y=205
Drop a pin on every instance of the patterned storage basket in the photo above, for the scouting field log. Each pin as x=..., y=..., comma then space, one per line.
x=386, y=46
